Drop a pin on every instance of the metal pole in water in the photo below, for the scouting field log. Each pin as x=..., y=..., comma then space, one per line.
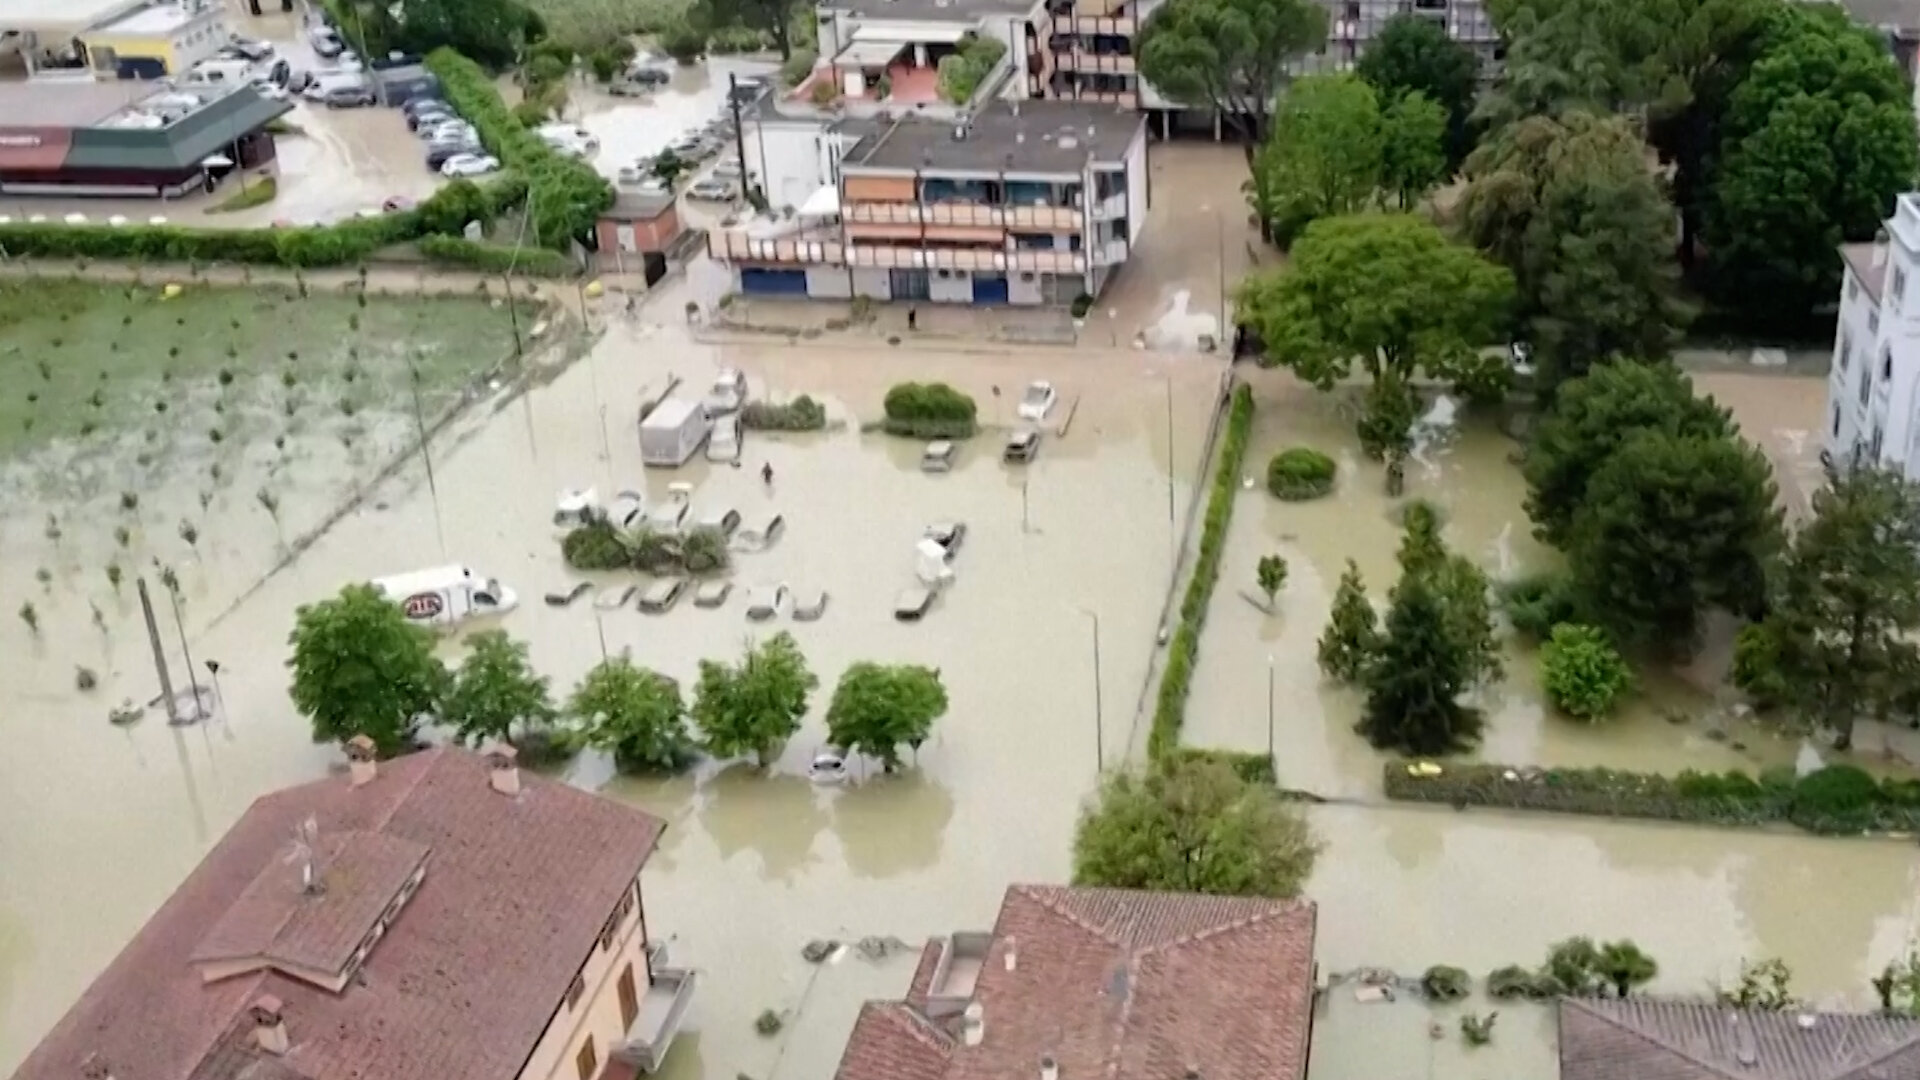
x=1099, y=711
x=426, y=455
x=1024, y=526
x=1270, y=716
x=159, y=653
x=193, y=682
x=1170, y=469
x=600, y=627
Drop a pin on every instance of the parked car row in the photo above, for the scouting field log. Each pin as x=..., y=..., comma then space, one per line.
x=453, y=145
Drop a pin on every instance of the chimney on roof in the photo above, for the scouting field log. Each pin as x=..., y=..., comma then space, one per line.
x=974, y=1023
x=269, y=1025
x=1193, y=1072
x=1049, y=1068
x=95, y=1067
x=1012, y=957
x=503, y=769
x=361, y=764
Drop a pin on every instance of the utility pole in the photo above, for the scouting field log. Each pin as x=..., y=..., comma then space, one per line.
x=740, y=139
x=193, y=682
x=159, y=653
x=1173, y=544
x=1099, y=712
x=1270, y=760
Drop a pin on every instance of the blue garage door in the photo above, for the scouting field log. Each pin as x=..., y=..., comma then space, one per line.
x=773, y=282
x=990, y=288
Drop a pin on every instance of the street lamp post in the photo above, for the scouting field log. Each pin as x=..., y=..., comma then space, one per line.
x=1270, y=761
x=1099, y=712
x=1173, y=543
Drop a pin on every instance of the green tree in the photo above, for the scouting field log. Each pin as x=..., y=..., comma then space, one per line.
x=1228, y=55
x=1414, y=684
x=1322, y=158
x=495, y=691
x=1413, y=153
x=1574, y=964
x=771, y=17
x=1352, y=636
x=1387, y=290
x=1568, y=204
x=1672, y=525
x=755, y=706
x=1766, y=986
x=1460, y=587
x=1625, y=967
x=634, y=714
x=1818, y=139
x=878, y=707
x=1591, y=418
x=1193, y=827
x=1388, y=412
x=1271, y=572
x=1413, y=54
x=1581, y=672
x=1841, y=629
x=360, y=668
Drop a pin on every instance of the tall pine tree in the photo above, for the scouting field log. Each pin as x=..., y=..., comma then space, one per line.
x=1353, y=632
x=1414, y=685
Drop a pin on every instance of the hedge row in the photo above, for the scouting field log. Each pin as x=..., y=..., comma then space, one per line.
x=565, y=196
x=493, y=259
x=1838, y=799
x=1253, y=768
x=1169, y=710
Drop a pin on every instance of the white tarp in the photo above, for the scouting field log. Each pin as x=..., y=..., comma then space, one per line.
x=917, y=33
x=822, y=203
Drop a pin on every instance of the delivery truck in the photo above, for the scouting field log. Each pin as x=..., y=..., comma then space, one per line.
x=446, y=595
x=673, y=432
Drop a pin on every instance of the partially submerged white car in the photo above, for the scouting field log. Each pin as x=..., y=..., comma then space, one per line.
x=1037, y=401
x=729, y=392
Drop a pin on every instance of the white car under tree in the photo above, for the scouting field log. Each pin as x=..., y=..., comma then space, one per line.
x=470, y=165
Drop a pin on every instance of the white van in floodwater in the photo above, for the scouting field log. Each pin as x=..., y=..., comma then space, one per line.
x=446, y=595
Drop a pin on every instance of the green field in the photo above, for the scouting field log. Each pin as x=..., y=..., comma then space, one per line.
x=93, y=361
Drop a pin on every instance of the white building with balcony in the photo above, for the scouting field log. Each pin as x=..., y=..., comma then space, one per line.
x=1023, y=203
x=1873, y=386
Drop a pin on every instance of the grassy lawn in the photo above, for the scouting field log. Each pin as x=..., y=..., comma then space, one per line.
x=257, y=193
x=85, y=360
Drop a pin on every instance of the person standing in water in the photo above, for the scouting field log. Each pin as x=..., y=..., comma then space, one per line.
x=766, y=474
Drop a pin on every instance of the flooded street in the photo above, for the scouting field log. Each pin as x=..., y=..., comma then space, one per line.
x=753, y=866
x=635, y=127
x=1501, y=888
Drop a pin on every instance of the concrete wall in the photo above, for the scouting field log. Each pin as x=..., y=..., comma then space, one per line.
x=789, y=159
x=1855, y=351
x=597, y=1016
x=828, y=283
x=872, y=283
x=1137, y=200
x=955, y=288
x=1020, y=290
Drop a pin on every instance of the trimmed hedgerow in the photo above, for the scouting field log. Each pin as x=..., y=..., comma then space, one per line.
x=929, y=411
x=1170, y=708
x=1835, y=800
x=1300, y=473
x=1252, y=768
x=493, y=259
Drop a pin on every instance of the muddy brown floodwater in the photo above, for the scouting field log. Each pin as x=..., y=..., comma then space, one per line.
x=98, y=824
x=1407, y=887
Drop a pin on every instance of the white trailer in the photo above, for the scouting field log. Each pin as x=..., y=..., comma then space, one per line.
x=673, y=432
x=446, y=595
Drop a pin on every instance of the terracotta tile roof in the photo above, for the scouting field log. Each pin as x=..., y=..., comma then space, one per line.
x=281, y=922
x=1650, y=1039
x=463, y=983
x=1118, y=985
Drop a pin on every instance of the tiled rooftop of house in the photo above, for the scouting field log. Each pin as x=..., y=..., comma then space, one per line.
x=1103, y=983
x=1869, y=264
x=1649, y=1039
x=491, y=900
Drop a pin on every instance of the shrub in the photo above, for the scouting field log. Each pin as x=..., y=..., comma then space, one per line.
x=1300, y=473
x=801, y=414
x=795, y=69
x=703, y=550
x=605, y=64
x=1081, y=305
x=683, y=41
x=529, y=262
x=1582, y=673
x=1514, y=981
x=929, y=411
x=1443, y=983
x=1249, y=767
x=1756, y=664
x=1537, y=603
x=596, y=545
x=1169, y=709
x=962, y=71
x=823, y=93
x=1837, y=798
x=532, y=112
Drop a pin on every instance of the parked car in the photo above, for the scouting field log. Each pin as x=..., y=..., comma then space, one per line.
x=948, y=534
x=662, y=595
x=251, y=48
x=723, y=446
x=1021, y=446
x=809, y=604
x=631, y=88
x=726, y=522
x=326, y=42
x=440, y=153
x=1037, y=401
x=449, y=129
x=614, y=598
x=562, y=599
x=712, y=594
x=728, y=393
x=348, y=97
x=911, y=603
x=470, y=165
x=764, y=601
x=726, y=170
x=426, y=120
x=424, y=103
x=762, y=534
x=714, y=191
x=746, y=91
x=938, y=456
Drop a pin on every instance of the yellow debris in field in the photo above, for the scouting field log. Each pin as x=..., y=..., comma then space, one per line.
x=594, y=289
x=172, y=289
x=1423, y=768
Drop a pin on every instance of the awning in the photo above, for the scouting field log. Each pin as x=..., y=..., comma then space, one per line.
x=919, y=35
x=870, y=54
x=822, y=203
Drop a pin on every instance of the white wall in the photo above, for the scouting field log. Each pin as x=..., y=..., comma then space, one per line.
x=876, y=284
x=790, y=159
x=828, y=283
x=1137, y=187
x=597, y=1016
x=955, y=288
x=1855, y=350
x=1023, y=292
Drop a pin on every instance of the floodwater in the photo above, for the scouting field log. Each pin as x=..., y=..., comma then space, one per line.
x=753, y=866
x=636, y=127
x=1495, y=888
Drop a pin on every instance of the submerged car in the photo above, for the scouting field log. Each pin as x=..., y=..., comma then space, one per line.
x=723, y=446
x=712, y=594
x=662, y=595
x=829, y=766
x=910, y=604
x=809, y=604
x=728, y=393
x=947, y=534
x=714, y=191
x=1037, y=401
x=763, y=601
x=615, y=598
x=762, y=535
x=562, y=599
x=1021, y=446
x=725, y=522
x=938, y=456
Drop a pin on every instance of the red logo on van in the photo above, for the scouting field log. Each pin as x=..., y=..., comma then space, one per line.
x=423, y=605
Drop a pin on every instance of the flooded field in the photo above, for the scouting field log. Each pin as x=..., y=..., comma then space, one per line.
x=753, y=865
x=1509, y=885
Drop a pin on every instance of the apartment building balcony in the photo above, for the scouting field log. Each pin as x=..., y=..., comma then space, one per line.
x=1038, y=218
x=815, y=249
x=661, y=1008
x=1112, y=25
x=1083, y=61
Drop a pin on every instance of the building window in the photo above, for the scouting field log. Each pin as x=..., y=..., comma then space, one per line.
x=1853, y=286
x=1866, y=384
x=1899, y=285
x=575, y=990
x=1873, y=322
x=1873, y=448
x=588, y=1063
x=1886, y=364
x=1846, y=352
x=1836, y=422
